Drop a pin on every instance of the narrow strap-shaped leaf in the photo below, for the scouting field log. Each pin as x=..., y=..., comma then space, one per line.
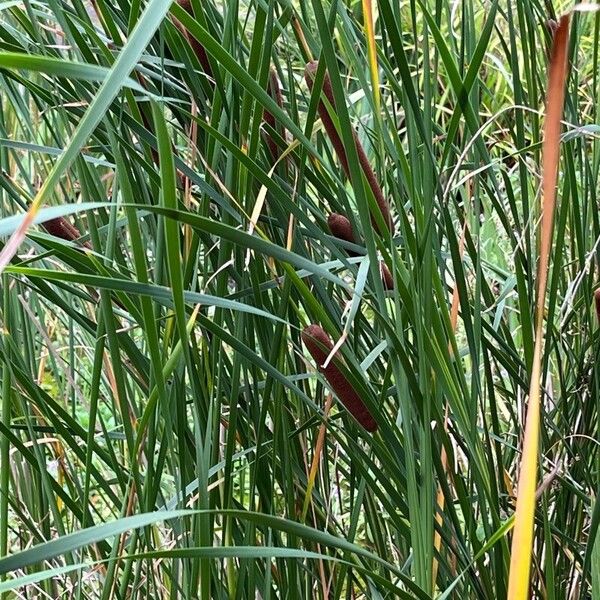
x=522, y=543
x=82, y=538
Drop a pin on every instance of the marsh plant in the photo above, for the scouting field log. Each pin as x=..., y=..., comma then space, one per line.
x=298, y=299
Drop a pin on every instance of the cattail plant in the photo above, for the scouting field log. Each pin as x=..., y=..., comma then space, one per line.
x=197, y=47
x=274, y=90
x=597, y=303
x=341, y=228
x=319, y=345
x=309, y=75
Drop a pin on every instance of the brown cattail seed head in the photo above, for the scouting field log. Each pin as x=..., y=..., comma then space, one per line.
x=597, y=303
x=320, y=345
x=309, y=75
x=336, y=141
x=386, y=276
x=61, y=228
x=340, y=227
x=197, y=47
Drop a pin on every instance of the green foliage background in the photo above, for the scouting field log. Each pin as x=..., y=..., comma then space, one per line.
x=162, y=370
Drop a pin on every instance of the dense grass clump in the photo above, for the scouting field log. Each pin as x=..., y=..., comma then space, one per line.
x=188, y=189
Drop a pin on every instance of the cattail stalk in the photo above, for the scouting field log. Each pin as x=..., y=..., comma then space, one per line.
x=309, y=75
x=197, y=47
x=319, y=345
x=274, y=90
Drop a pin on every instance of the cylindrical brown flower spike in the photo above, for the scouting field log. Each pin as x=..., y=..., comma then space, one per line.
x=309, y=75
x=341, y=228
x=386, y=276
x=320, y=345
x=197, y=47
x=274, y=90
x=61, y=228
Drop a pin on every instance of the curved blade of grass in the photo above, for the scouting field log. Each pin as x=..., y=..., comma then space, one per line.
x=51, y=151
x=13, y=584
x=496, y=537
x=522, y=543
x=11, y=224
x=241, y=552
x=323, y=538
x=62, y=68
x=245, y=240
x=161, y=294
x=86, y=537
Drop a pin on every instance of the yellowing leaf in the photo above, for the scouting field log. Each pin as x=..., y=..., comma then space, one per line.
x=522, y=542
x=367, y=7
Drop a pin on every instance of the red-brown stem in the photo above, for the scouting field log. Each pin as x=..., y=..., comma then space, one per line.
x=309, y=75
x=197, y=47
x=319, y=345
x=274, y=90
